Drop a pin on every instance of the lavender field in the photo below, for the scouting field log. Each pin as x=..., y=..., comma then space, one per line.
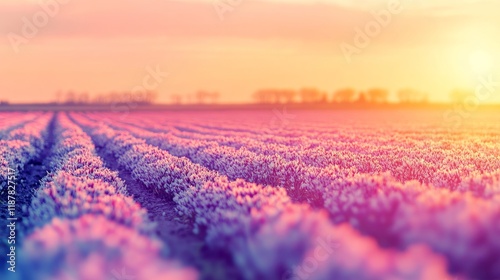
x=250, y=195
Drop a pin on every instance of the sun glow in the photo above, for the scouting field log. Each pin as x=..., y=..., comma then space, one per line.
x=481, y=62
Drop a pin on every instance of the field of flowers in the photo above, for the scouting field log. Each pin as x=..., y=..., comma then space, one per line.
x=249, y=195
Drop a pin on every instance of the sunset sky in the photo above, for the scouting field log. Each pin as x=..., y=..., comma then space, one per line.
x=101, y=46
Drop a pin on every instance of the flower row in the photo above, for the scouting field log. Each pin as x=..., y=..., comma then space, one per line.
x=86, y=227
x=267, y=235
x=22, y=144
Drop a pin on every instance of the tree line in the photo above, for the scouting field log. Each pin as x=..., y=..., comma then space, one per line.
x=263, y=96
x=347, y=95
x=77, y=98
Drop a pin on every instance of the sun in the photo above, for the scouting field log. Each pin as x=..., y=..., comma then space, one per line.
x=481, y=62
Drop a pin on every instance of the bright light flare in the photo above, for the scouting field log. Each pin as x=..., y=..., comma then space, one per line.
x=481, y=62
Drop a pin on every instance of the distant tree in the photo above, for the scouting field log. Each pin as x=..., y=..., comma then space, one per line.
x=323, y=97
x=377, y=95
x=151, y=97
x=113, y=97
x=59, y=96
x=176, y=99
x=289, y=96
x=189, y=99
x=308, y=95
x=83, y=98
x=283, y=95
x=70, y=97
x=312, y=95
x=98, y=99
x=274, y=96
x=361, y=98
x=405, y=95
x=344, y=95
x=411, y=96
x=203, y=97
x=260, y=96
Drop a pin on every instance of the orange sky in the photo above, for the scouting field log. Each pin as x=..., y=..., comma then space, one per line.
x=99, y=46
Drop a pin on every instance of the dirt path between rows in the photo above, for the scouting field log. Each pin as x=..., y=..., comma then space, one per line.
x=181, y=243
x=27, y=182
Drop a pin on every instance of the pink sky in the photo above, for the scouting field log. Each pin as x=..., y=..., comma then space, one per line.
x=433, y=46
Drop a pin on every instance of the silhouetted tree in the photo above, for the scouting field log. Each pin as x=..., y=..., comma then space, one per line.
x=411, y=96
x=377, y=95
x=189, y=99
x=203, y=97
x=59, y=96
x=361, y=98
x=260, y=96
x=405, y=95
x=311, y=95
x=83, y=98
x=99, y=99
x=150, y=97
x=274, y=96
x=289, y=96
x=176, y=98
x=70, y=97
x=344, y=95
